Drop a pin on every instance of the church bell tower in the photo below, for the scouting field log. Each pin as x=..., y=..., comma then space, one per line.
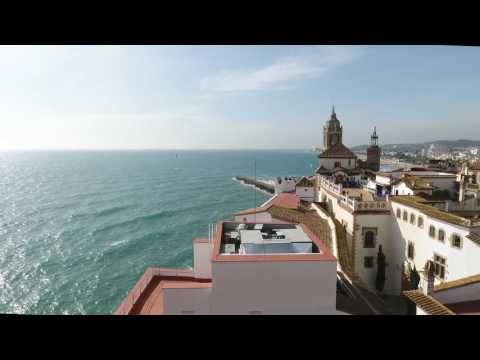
x=373, y=152
x=332, y=131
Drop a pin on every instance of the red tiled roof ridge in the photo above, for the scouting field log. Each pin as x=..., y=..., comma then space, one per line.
x=469, y=280
x=427, y=303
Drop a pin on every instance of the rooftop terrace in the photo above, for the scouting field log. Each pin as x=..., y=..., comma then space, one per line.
x=253, y=239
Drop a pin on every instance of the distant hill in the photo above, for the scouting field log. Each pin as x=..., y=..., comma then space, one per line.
x=452, y=144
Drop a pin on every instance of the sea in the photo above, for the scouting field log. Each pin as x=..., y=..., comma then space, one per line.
x=79, y=228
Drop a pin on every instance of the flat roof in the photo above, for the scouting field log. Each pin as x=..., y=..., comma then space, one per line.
x=243, y=241
x=267, y=239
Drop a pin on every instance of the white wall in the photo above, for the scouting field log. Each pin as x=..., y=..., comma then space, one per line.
x=342, y=215
x=371, y=185
x=285, y=186
x=420, y=311
x=176, y=301
x=460, y=262
x=202, y=265
x=382, y=222
x=382, y=180
x=329, y=163
x=305, y=193
x=274, y=287
x=401, y=189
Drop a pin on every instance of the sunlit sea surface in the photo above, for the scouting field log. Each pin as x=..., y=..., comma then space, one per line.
x=77, y=229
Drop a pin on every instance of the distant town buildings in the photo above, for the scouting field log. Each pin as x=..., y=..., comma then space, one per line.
x=315, y=246
x=417, y=215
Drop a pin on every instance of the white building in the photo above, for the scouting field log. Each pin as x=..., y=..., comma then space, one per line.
x=284, y=184
x=245, y=268
x=422, y=230
x=411, y=229
x=410, y=182
x=366, y=222
x=305, y=188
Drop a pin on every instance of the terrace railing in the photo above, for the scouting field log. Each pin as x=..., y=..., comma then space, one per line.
x=353, y=204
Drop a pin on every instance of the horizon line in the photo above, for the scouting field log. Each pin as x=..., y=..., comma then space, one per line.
x=149, y=149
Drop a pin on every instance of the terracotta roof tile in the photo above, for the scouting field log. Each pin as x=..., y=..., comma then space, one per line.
x=427, y=303
x=311, y=219
x=475, y=165
x=282, y=200
x=475, y=237
x=337, y=150
x=306, y=182
x=420, y=203
x=469, y=280
x=415, y=183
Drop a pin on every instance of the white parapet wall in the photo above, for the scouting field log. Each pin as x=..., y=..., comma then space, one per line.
x=274, y=287
x=202, y=255
x=188, y=301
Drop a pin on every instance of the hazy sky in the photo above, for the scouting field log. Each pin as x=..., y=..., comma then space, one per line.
x=83, y=97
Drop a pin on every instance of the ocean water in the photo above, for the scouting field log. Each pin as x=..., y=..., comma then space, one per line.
x=78, y=228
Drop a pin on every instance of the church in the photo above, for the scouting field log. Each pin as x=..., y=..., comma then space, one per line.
x=338, y=161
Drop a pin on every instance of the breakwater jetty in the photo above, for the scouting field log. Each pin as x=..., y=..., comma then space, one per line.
x=257, y=183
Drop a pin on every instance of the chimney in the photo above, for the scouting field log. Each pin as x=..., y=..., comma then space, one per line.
x=428, y=278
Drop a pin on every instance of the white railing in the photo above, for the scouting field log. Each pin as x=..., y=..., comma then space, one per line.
x=212, y=231
x=355, y=205
x=330, y=185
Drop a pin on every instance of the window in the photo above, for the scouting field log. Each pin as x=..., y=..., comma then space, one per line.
x=431, y=231
x=245, y=219
x=337, y=164
x=440, y=265
x=368, y=262
x=441, y=235
x=456, y=241
x=412, y=219
x=349, y=162
x=399, y=213
x=420, y=222
x=405, y=215
x=411, y=250
x=369, y=237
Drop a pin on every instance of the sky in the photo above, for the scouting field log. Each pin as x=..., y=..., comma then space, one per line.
x=234, y=97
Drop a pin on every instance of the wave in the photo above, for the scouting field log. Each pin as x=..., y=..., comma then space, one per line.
x=136, y=220
x=111, y=211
